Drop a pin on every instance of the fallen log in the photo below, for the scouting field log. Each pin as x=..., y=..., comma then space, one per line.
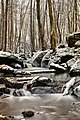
x=41, y=71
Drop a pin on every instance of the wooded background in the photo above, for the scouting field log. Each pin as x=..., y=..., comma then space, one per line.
x=32, y=25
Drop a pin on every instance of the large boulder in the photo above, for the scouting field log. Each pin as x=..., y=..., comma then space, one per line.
x=42, y=81
x=62, y=55
x=65, y=54
x=8, y=71
x=10, y=58
x=57, y=67
x=71, y=62
x=46, y=58
x=75, y=69
x=72, y=38
x=37, y=58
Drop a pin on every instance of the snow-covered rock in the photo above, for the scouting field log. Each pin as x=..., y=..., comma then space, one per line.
x=65, y=54
x=46, y=58
x=71, y=62
x=6, y=69
x=41, y=81
x=61, y=46
x=62, y=55
x=37, y=57
x=57, y=67
x=77, y=91
x=68, y=86
x=77, y=44
x=9, y=58
x=72, y=38
x=75, y=69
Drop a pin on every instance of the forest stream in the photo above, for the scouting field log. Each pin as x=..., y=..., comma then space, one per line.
x=45, y=106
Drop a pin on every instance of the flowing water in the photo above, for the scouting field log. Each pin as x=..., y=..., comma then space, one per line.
x=49, y=107
x=45, y=106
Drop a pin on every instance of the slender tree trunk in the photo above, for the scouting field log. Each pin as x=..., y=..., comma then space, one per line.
x=2, y=22
x=31, y=28
x=11, y=32
x=59, y=31
x=5, y=39
x=52, y=33
x=75, y=12
x=16, y=31
x=34, y=26
x=40, y=29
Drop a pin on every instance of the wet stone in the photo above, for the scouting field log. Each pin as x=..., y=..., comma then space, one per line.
x=28, y=113
x=42, y=90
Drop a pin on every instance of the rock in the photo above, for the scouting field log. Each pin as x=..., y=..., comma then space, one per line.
x=39, y=81
x=75, y=69
x=42, y=81
x=62, y=55
x=6, y=69
x=14, y=85
x=21, y=92
x=28, y=113
x=69, y=86
x=77, y=91
x=57, y=67
x=5, y=90
x=23, y=56
x=14, y=65
x=11, y=84
x=7, y=117
x=53, y=87
x=61, y=46
x=54, y=59
x=18, y=93
x=77, y=44
x=9, y=58
x=45, y=59
x=37, y=57
x=71, y=62
x=3, y=117
x=65, y=54
x=42, y=90
x=9, y=71
x=72, y=38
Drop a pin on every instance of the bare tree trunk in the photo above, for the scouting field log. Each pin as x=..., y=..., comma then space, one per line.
x=11, y=32
x=40, y=29
x=52, y=34
x=15, y=27
x=58, y=27
x=31, y=28
x=5, y=39
x=2, y=22
x=21, y=26
x=75, y=12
